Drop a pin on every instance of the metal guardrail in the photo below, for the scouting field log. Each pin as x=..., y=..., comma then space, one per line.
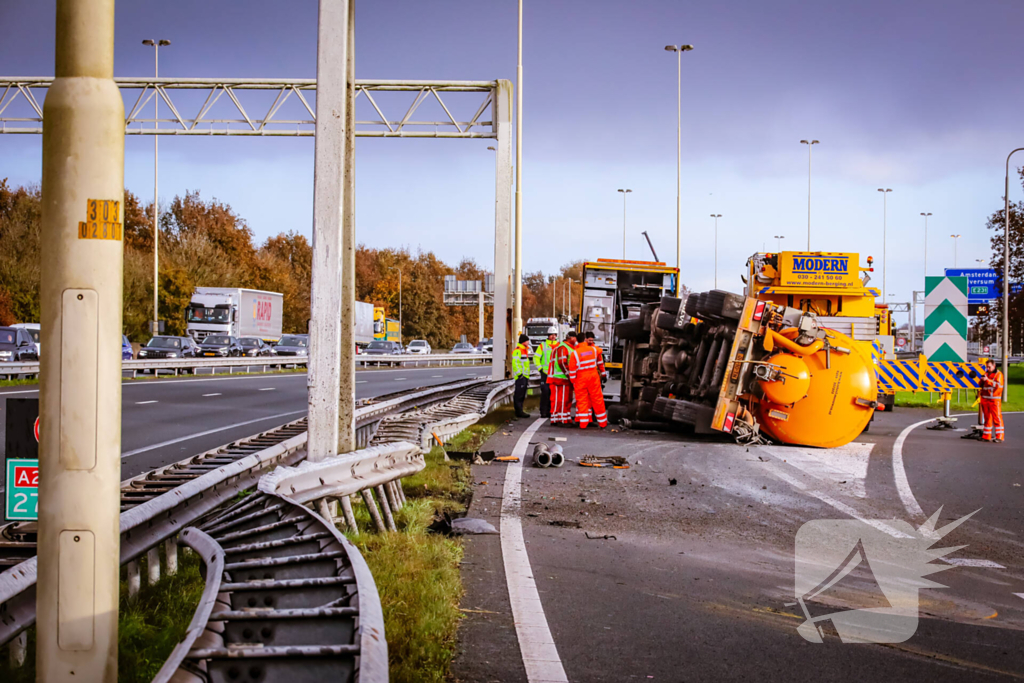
x=144, y=526
x=194, y=365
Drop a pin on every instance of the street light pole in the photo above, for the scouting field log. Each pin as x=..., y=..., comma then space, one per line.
x=925, y=242
x=885, y=209
x=679, y=50
x=956, y=238
x=401, y=327
x=624, y=193
x=716, y=216
x=810, y=144
x=156, y=45
x=517, y=314
x=1006, y=276
x=780, y=238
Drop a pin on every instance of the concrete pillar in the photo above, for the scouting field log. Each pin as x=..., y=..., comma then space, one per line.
x=80, y=391
x=502, y=231
x=325, y=360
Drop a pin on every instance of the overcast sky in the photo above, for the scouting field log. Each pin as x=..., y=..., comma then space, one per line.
x=920, y=97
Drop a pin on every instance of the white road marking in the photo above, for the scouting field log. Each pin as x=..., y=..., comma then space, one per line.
x=899, y=473
x=399, y=379
x=967, y=562
x=142, y=403
x=838, y=505
x=540, y=656
x=433, y=376
x=267, y=389
x=209, y=431
x=361, y=381
x=205, y=395
x=1019, y=595
x=846, y=465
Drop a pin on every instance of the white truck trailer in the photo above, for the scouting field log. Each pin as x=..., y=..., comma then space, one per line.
x=364, y=324
x=234, y=311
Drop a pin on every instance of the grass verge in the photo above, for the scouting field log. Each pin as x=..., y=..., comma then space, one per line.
x=417, y=572
x=148, y=627
x=965, y=402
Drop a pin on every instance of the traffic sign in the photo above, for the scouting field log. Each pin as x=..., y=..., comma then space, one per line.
x=22, y=492
x=945, y=318
x=982, y=283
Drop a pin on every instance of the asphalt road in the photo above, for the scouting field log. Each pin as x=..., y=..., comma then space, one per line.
x=696, y=581
x=166, y=420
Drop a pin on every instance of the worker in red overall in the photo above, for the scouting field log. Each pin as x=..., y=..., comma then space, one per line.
x=558, y=380
x=992, y=403
x=586, y=380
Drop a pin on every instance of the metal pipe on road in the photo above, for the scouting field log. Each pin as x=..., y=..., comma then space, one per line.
x=80, y=395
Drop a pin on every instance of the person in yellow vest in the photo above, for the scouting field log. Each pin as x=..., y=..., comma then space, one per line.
x=521, y=374
x=992, y=403
x=542, y=359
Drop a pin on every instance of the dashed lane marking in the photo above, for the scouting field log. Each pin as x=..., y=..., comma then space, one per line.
x=267, y=389
x=129, y=454
x=361, y=381
x=968, y=562
x=142, y=403
x=205, y=395
x=1019, y=595
x=399, y=379
x=540, y=656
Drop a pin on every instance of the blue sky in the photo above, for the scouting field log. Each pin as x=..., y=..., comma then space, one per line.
x=921, y=97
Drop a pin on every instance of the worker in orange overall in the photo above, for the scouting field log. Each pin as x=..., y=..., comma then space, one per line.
x=992, y=403
x=558, y=380
x=586, y=380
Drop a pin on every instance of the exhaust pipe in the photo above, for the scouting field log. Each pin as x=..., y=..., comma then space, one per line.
x=557, y=457
x=541, y=456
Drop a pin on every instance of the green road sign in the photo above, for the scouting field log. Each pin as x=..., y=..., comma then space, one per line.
x=22, y=491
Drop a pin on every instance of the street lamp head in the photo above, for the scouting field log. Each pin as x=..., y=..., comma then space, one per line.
x=147, y=41
x=625, y=191
x=685, y=48
x=804, y=142
x=955, y=236
x=885, y=190
x=492, y=149
x=815, y=142
x=164, y=43
x=671, y=48
x=925, y=214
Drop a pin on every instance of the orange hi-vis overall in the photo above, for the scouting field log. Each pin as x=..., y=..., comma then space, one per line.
x=992, y=406
x=561, y=385
x=586, y=378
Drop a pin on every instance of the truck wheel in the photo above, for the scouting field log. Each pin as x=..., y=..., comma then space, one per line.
x=630, y=329
x=720, y=304
x=670, y=304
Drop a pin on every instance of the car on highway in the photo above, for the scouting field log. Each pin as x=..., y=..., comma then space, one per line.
x=464, y=347
x=33, y=331
x=16, y=345
x=485, y=345
x=166, y=346
x=293, y=345
x=220, y=346
x=419, y=346
x=254, y=346
x=126, y=348
x=379, y=347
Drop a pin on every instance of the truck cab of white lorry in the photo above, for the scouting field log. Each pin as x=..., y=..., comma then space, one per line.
x=234, y=312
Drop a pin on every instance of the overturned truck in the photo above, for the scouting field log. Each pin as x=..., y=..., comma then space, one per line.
x=758, y=370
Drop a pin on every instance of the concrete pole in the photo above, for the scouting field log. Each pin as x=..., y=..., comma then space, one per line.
x=517, y=317
x=346, y=357
x=502, y=108
x=679, y=169
x=324, y=377
x=1005, y=346
x=80, y=391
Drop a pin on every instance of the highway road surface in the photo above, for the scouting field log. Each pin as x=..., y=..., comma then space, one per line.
x=683, y=567
x=165, y=420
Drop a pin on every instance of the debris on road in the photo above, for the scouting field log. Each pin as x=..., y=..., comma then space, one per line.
x=507, y=458
x=461, y=526
x=606, y=537
x=565, y=524
x=672, y=482
x=475, y=457
x=613, y=461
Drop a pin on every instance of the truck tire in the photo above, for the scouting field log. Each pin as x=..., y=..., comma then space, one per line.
x=720, y=305
x=691, y=306
x=670, y=304
x=630, y=329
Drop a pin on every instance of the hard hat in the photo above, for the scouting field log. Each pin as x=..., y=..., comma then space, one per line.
x=552, y=330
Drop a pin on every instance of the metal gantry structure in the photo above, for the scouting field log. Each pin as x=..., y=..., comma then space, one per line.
x=247, y=111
